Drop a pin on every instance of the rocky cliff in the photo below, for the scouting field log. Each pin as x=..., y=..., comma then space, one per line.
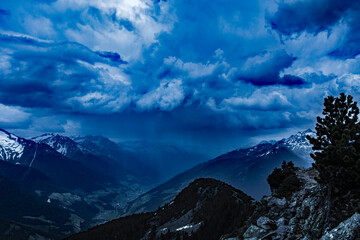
x=306, y=214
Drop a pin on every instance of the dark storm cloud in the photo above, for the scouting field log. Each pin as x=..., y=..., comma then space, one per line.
x=311, y=16
x=264, y=69
x=207, y=26
x=115, y=57
x=321, y=15
x=63, y=51
x=5, y=12
x=46, y=74
x=124, y=23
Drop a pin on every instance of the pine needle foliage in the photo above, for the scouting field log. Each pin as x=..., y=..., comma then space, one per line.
x=337, y=144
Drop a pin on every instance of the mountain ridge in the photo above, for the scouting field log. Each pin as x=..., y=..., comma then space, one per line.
x=246, y=169
x=212, y=210
x=102, y=202
x=193, y=210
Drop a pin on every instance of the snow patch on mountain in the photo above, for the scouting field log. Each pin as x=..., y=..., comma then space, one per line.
x=299, y=144
x=61, y=144
x=90, y=145
x=11, y=147
x=43, y=137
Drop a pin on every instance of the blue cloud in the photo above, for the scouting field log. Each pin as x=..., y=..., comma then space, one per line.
x=320, y=15
x=264, y=69
x=47, y=74
x=126, y=24
x=115, y=57
x=5, y=12
x=209, y=67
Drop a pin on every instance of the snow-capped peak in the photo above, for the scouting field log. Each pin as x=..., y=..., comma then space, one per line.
x=60, y=143
x=272, y=142
x=43, y=137
x=11, y=147
x=298, y=140
x=97, y=145
x=299, y=144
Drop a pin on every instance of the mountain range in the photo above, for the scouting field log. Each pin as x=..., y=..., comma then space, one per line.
x=90, y=180
x=167, y=158
x=101, y=156
x=245, y=169
x=62, y=170
x=55, y=172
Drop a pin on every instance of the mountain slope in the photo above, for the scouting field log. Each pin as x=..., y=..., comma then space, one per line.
x=104, y=157
x=11, y=147
x=23, y=214
x=167, y=159
x=29, y=178
x=89, y=157
x=60, y=169
x=211, y=210
x=44, y=169
x=207, y=207
x=245, y=169
x=131, y=165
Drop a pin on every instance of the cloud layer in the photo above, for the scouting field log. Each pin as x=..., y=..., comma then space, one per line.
x=234, y=66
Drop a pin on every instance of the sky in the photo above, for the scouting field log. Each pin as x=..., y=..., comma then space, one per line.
x=207, y=75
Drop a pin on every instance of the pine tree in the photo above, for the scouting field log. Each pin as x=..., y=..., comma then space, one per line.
x=337, y=144
x=283, y=181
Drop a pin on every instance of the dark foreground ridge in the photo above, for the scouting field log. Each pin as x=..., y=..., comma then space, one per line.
x=206, y=209
x=210, y=209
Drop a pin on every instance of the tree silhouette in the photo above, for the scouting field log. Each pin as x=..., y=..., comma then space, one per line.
x=337, y=144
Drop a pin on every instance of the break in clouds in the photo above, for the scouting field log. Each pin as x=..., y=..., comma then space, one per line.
x=177, y=66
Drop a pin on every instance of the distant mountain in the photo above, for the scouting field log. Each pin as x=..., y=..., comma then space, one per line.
x=60, y=169
x=60, y=172
x=168, y=159
x=107, y=149
x=300, y=145
x=150, y=163
x=207, y=208
x=245, y=169
x=64, y=145
x=40, y=156
x=87, y=155
x=12, y=147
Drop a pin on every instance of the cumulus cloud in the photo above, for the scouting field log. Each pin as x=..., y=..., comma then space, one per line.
x=12, y=115
x=167, y=96
x=118, y=25
x=259, y=101
x=192, y=70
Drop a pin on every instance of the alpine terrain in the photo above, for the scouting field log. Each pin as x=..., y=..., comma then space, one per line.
x=212, y=210
x=245, y=169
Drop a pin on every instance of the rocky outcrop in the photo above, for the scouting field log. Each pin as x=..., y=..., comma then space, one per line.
x=206, y=209
x=304, y=215
x=212, y=210
x=348, y=229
